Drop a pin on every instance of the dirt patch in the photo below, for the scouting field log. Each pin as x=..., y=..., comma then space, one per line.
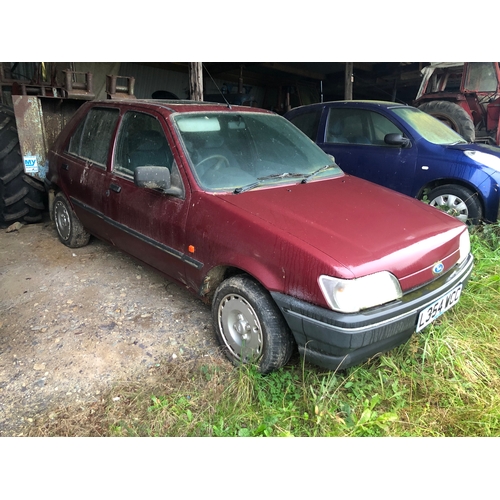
x=74, y=322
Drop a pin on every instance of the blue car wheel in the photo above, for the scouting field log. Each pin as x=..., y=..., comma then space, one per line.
x=457, y=201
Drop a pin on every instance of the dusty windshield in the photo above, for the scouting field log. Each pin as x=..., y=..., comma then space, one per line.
x=241, y=151
x=428, y=127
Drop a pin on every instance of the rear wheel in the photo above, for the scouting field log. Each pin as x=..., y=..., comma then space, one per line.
x=249, y=325
x=68, y=226
x=452, y=115
x=22, y=198
x=457, y=201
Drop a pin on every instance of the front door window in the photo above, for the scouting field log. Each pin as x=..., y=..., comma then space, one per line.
x=358, y=126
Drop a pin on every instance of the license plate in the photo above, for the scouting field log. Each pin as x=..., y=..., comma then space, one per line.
x=430, y=313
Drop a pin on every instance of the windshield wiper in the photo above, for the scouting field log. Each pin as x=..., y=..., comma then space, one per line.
x=316, y=172
x=260, y=181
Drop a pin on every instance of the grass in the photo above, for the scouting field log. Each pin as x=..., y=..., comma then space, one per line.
x=444, y=382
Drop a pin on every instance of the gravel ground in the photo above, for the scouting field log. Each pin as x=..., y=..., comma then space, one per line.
x=74, y=322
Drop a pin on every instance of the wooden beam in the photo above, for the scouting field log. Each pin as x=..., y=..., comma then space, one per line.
x=196, y=81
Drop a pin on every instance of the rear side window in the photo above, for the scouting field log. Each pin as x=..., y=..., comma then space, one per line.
x=91, y=140
x=308, y=122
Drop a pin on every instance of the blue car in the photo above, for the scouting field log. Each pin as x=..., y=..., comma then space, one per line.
x=409, y=151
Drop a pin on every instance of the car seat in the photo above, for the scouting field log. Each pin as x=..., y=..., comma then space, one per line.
x=149, y=148
x=353, y=131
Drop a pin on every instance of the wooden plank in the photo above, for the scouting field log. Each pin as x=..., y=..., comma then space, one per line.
x=196, y=81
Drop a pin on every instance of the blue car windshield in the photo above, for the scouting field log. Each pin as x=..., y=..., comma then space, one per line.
x=430, y=128
x=238, y=151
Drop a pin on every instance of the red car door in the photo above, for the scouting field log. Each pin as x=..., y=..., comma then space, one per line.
x=83, y=168
x=147, y=223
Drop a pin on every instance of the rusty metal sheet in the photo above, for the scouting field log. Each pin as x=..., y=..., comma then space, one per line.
x=39, y=121
x=30, y=128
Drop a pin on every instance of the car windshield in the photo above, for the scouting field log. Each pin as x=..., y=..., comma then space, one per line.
x=241, y=151
x=428, y=127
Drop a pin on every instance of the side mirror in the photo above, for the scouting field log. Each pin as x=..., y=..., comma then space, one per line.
x=397, y=140
x=152, y=178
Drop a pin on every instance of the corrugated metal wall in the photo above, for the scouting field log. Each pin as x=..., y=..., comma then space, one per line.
x=149, y=79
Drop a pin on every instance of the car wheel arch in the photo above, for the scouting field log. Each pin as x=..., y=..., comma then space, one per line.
x=478, y=206
x=425, y=190
x=217, y=274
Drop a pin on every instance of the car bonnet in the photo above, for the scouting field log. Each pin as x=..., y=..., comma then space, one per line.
x=364, y=227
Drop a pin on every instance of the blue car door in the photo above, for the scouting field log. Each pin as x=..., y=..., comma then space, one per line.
x=355, y=137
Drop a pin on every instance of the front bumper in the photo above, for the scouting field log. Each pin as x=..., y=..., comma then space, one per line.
x=336, y=340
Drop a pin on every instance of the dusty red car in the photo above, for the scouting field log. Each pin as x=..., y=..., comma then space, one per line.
x=241, y=208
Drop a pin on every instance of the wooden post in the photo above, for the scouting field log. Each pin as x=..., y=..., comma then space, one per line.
x=196, y=81
x=349, y=80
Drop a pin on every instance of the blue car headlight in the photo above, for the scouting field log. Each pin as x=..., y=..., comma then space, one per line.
x=487, y=159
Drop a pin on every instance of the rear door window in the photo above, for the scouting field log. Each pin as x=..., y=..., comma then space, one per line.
x=91, y=140
x=308, y=122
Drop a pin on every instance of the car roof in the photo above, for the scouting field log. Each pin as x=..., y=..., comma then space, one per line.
x=362, y=103
x=178, y=106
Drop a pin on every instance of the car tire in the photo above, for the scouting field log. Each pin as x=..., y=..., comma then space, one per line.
x=457, y=201
x=69, y=229
x=249, y=325
x=453, y=115
x=22, y=197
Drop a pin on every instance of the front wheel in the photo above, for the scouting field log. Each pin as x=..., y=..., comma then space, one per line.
x=457, y=201
x=249, y=325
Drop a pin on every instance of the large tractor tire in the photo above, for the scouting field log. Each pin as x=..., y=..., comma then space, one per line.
x=452, y=115
x=22, y=197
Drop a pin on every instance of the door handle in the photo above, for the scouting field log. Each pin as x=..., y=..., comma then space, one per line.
x=64, y=166
x=115, y=187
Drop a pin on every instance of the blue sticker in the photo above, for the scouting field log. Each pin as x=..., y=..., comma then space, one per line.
x=30, y=164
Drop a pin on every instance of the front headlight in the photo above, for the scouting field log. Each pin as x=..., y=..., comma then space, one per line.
x=354, y=295
x=491, y=161
x=464, y=246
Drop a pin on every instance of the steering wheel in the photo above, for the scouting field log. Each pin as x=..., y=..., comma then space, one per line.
x=220, y=161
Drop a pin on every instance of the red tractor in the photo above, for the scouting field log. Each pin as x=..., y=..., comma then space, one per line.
x=465, y=96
